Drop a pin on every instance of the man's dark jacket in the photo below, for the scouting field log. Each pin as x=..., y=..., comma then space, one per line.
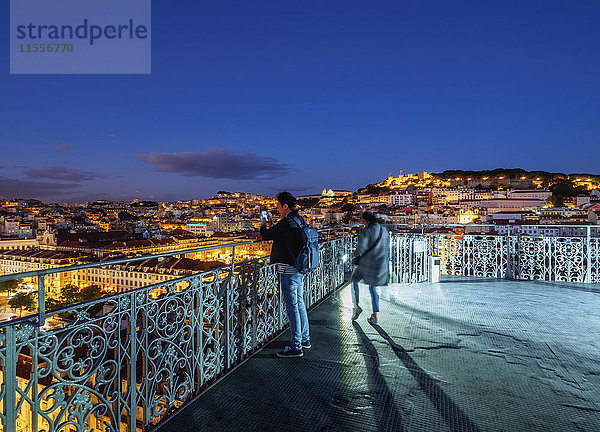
x=287, y=236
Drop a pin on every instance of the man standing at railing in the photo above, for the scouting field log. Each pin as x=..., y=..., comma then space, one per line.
x=287, y=244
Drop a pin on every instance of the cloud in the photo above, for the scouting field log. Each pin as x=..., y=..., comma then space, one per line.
x=21, y=166
x=61, y=145
x=62, y=173
x=217, y=163
x=110, y=135
x=32, y=189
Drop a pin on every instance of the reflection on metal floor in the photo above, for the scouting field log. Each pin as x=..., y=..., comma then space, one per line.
x=460, y=355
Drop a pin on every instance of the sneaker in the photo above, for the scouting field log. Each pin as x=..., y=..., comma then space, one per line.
x=356, y=312
x=288, y=351
x=372, y=320
x=306, y=345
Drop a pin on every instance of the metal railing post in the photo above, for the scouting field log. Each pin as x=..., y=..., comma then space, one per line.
x=228, y=292
x=508, y=274
x=410, y=260
x=41, y=301
x=35, y=406
x=254, y=306
x=280, y=303
x=426, y=255
x=334, y=259
x=10, y=380
x=132, y=363
x=588, y=273
x=200, y=332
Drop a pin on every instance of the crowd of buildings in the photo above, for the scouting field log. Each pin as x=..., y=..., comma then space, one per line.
x=464, y=205
x=35, y=236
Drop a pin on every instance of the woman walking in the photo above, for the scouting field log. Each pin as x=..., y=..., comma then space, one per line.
x=372, y=257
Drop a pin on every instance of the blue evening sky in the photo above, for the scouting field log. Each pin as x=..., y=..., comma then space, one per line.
x=259, y=96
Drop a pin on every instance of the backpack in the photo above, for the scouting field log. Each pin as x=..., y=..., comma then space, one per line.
x=308, y=259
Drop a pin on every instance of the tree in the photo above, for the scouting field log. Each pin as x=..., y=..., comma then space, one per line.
x=53, y=303
x=70, y=294
x=555, y=201
x=90, y=293
x=126, y=216
x=374, y=189
x=22, y=300
x=563, y=189
x=10, y=285
x=144, y=204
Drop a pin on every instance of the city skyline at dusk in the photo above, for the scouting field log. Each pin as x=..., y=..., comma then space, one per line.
x=270, y=96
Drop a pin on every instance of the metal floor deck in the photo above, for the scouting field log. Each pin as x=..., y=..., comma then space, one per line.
x=460, y=355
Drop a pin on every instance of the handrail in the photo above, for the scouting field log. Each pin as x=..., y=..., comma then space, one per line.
x=53, y=270
x=457, y=225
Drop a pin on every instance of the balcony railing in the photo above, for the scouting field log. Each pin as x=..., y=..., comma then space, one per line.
x=521, y=257
x=127, y=361
x=566, y=259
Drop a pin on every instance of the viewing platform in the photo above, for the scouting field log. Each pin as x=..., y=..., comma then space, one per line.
x=465, y=354
x=507, y=341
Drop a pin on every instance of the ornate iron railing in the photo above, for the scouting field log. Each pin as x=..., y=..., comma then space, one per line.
x=565, y=259
x=127, y=361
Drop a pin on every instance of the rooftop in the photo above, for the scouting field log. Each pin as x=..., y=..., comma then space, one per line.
x=465, y=354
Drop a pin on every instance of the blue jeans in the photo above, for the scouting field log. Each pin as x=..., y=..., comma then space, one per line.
x=372, y=290
x=292, y=286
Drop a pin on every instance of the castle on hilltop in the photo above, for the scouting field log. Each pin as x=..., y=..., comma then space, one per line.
x=406, y=180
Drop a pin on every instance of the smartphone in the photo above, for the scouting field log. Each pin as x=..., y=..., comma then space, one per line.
x=263, y=215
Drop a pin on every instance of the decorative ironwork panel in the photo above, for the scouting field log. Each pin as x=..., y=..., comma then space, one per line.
x=568, y=259
x=470, y=255
x=532, y=258
x=485, y=256
x=239, y=317
x=551, y=258
x=314, y=281
x=330, y=273
x=433, y=244
x=253, y=302
x=408, y=258
x=266, y=306
x=78, y=374
x=164, y=348
x=350, y=243
x=450, y=250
